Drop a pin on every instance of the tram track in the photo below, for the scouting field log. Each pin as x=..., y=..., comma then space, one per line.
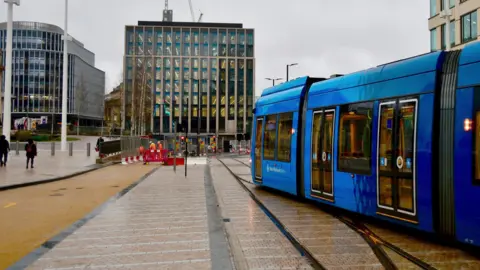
x=376, y=242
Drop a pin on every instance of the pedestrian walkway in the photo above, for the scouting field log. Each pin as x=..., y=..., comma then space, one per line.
x=255, y=240
x=45, y=167
x=163, y=223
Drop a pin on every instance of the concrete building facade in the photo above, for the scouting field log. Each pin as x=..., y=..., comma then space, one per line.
x=464, y=26
x=183, y=72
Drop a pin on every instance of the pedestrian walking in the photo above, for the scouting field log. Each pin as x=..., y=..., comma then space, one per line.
x=31, y=149
x=4, y=149
x=99, y=141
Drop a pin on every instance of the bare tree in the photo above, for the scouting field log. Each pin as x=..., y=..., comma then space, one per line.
x=142, y=107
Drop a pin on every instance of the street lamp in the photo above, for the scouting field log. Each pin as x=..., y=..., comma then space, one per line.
x=446, y=14
x=273, y=80
x=290, y=65
x=7, y=108
x=65, y=81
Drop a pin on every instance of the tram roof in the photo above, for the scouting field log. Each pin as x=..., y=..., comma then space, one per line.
x=402, y=68
x=470, y=53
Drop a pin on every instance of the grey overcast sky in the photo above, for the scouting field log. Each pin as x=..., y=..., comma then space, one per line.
x=324, y=36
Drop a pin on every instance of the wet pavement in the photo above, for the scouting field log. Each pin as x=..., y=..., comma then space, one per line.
x=330, y=241
x=32, y=215
x=255, y=240
x=160, y=224
x=337, y=246
x=207, y=220
x=45, y=167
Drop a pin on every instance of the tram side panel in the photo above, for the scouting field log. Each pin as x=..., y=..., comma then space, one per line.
x=279, y=166
x=410, y=130
x=467, y=165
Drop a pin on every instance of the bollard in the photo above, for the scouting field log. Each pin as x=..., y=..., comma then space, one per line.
x=17, y=150
x=53, y=149
x=70, y=149
x=88, y=149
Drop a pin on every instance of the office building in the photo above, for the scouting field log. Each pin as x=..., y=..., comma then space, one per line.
x=463, y=23
x=113, y=108
x=37, y=75
x=191, y=71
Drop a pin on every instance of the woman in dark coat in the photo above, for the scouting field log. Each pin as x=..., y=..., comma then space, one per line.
x=4, y=148
x=31, y=150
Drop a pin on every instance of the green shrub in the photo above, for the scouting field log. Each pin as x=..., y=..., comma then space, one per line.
x=41, y=138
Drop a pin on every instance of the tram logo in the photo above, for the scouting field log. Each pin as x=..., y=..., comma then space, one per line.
x=274, y=169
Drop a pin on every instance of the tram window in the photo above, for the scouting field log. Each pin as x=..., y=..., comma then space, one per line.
x=477, y=148
x=269, y=137
x=285, y=125
x=355, y=138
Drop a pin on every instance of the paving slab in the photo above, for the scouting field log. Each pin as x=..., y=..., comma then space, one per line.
x=333, y=243
x=46, y=167
x=31, y=216
x=163, y=223
x=255, y=240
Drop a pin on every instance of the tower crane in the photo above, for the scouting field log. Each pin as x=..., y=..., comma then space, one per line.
x=193, y=14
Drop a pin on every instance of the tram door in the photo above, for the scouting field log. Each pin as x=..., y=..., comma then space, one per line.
x=322, y=154
x=396, y=159
x=258, y=149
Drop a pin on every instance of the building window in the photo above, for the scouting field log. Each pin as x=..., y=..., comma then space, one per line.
x=442, y=36
x=452, y=33
x=354, y=145
x=452, y=3
x=433, y=39
x=285, y=125
x=269, y=137
x=433, y=8
x=469, y=26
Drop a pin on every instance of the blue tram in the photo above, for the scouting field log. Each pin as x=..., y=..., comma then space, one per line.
x=399, y=142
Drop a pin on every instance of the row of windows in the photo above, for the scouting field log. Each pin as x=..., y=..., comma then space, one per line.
x=187, y=35
x=469, y=31
x=27, y=39
x=277, y=137
x=187, y=50
x=433, y=6
x=354, y=136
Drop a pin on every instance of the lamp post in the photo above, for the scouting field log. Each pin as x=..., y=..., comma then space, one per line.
x=1, y=91
x=445, y=14
x=273, y=80
x=7, y=107
x=199, y=117
x=290, y=65
x=65, y=81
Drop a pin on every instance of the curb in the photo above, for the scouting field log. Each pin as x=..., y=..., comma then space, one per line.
x=45, y=247
x=55, y=179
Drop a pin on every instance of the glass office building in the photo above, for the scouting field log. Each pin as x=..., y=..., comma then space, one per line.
x=196, y=72
x=38, y=70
